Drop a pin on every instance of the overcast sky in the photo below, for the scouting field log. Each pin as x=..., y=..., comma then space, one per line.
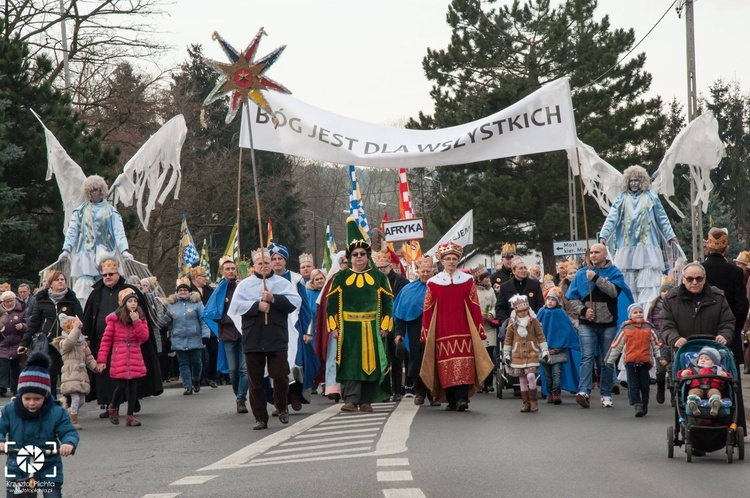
x=363, y=59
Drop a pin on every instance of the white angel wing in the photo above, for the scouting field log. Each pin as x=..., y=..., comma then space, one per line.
x=699, y=146
x=600, y=179
x=69, y=175
x=156, y=167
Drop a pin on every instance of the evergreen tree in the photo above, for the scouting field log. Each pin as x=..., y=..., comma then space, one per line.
x=11, y=226
x=23, y=87
x=499, y=55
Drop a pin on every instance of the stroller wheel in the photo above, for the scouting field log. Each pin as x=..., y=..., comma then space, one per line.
x=670, y=442
x=730, y=453
x=688, y=452
x=740, y=443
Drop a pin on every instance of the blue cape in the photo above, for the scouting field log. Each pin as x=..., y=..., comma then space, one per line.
x=560, y=334
x=579, y=288
x=306, y=357
x=409, y=303
x=211, y=315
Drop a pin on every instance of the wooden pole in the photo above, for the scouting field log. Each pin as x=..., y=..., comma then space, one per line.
x=257, y=192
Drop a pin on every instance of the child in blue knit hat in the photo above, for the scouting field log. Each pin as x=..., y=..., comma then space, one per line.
x=34, y=419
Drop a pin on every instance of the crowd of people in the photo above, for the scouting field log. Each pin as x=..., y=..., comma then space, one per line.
x=363, y=333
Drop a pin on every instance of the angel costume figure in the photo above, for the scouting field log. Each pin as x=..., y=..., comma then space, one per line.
x=638, y=232
x=95, y=229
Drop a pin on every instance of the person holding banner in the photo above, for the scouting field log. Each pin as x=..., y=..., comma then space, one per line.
x=455, y=361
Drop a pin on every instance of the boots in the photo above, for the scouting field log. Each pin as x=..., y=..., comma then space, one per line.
x=74, y=419
x=525, y=398
x=532, y=400
x=660, y=391
x=114, y=415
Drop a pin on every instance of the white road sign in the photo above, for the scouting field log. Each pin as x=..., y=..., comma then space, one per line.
x=570, y=247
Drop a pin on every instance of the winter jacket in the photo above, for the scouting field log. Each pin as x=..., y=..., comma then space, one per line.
x=711, y=383
x=125, y=342
x=525, y=351
x=44, y=317
x=529, y=287
x=681, y=317
x=9, y=345
x=53, y=425
x=76, y=356
x=259, y=337
x=188, y=327
x=730, y=279
x=639, y=341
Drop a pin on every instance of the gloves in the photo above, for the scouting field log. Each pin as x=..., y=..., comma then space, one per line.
x=545, y=354
x=64, y=255
x=126, y=255
x=506, y=356
x=205, y=340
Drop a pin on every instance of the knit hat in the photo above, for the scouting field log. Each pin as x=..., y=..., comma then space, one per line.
x=556, y=293
x=66, y=322
x=275, y=248
x=124, y=295
x=7, y=295
x=712, y=353
x=35, y=377
x=667, y=283
x=633, y=307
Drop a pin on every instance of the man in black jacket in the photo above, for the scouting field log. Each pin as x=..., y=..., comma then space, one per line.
x=263, y=302
x=519, y=284
x=209, y=355
x=382, y=260
x=729, y=278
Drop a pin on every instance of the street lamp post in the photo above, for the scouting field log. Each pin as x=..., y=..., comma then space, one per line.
x=315, y=235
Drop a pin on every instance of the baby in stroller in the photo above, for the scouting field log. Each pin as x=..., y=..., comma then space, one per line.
x=708, y=362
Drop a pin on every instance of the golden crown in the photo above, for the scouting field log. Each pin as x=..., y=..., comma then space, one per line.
x=259, y=253
x=448, y=248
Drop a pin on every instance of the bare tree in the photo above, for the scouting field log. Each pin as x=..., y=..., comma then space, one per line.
x=100, y=35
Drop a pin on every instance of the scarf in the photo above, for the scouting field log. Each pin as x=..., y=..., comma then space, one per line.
x=25, y=414
x=521, y=324
x=56, y=297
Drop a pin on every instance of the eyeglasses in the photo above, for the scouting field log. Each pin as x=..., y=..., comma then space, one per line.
x=697, y=280
x=359, y=254
x=108, y=274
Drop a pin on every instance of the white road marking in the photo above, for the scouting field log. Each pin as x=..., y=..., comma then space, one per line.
x=303, y=455
x=403, y=493
x=325, y=439
x=395, y=475
x=336, y=444
x=392, y=462
x=396, y=430
x=347, y=425
x=192, y=480
x=162, y=495
x=251, y=451
x=335, y=433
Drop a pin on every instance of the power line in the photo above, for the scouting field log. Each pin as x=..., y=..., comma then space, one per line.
x=635, y=46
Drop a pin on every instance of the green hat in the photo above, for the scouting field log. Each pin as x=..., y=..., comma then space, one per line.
x=355, y=239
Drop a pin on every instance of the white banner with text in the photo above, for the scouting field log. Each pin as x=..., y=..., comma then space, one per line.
x=541, y=122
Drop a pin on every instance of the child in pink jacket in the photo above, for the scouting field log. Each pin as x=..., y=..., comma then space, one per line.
x=126, y=330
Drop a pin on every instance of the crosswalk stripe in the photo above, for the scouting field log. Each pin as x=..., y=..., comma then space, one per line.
x=395, y=475
x=313, y=454
x=326, y=439
x=336, y=444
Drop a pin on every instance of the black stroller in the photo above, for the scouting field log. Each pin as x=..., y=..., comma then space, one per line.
x=704, y=432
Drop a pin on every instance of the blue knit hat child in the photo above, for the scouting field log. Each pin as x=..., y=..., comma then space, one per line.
x=35, y=377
